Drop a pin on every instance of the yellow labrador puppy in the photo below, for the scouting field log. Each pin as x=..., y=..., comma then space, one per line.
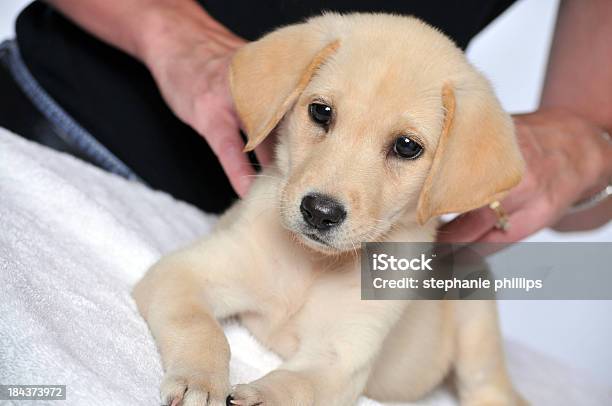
x=382, y=125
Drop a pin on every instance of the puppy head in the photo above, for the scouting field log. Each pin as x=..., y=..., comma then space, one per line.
x=382, y=122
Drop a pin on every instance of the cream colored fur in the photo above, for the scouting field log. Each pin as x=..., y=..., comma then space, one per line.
x=385, y=76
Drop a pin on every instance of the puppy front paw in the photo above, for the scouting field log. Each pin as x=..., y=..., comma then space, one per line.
x=248, y=395
x=194, y=389
x=278, y=388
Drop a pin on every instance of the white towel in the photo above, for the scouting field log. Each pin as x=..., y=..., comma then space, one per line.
x=74, y=239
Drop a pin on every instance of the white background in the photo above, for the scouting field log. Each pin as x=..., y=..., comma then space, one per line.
x=512, y=52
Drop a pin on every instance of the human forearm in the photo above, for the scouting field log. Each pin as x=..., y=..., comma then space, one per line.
x=579, y=76
x=579, y=80
x=146, y=28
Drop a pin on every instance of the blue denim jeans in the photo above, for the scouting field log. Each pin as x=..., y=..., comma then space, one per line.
x=69, y=130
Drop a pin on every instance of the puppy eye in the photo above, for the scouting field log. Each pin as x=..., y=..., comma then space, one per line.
x=320, y=113
x=406, y=148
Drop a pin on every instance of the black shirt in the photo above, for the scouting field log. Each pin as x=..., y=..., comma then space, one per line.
x=114, y=97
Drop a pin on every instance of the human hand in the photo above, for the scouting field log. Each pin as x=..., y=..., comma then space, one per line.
x=567, y=159
x=191, y=66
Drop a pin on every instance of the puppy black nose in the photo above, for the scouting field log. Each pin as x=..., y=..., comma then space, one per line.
x=322, y=212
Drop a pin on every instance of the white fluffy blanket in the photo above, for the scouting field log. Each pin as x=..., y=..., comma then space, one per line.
x=73, y=240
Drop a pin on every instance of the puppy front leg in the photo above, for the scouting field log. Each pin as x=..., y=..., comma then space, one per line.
x=181, y=298
x=310, y=379
x=333, y=363
x=311, y=386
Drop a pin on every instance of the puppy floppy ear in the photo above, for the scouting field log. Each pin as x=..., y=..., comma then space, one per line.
x=267, y=76
x=477, y=159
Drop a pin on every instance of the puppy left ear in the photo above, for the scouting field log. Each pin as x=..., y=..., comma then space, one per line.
x=477, y=159
x=268, y=75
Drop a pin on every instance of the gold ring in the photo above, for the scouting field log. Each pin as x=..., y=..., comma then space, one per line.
x=502, y=223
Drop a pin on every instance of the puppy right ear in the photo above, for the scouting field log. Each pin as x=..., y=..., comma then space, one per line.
x=267, y=76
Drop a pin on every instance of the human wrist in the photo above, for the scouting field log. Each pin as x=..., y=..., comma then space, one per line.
x=594, y=208
x=595, y=136
x=601, y=190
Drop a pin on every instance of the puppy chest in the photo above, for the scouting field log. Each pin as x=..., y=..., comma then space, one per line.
x=301, y=311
